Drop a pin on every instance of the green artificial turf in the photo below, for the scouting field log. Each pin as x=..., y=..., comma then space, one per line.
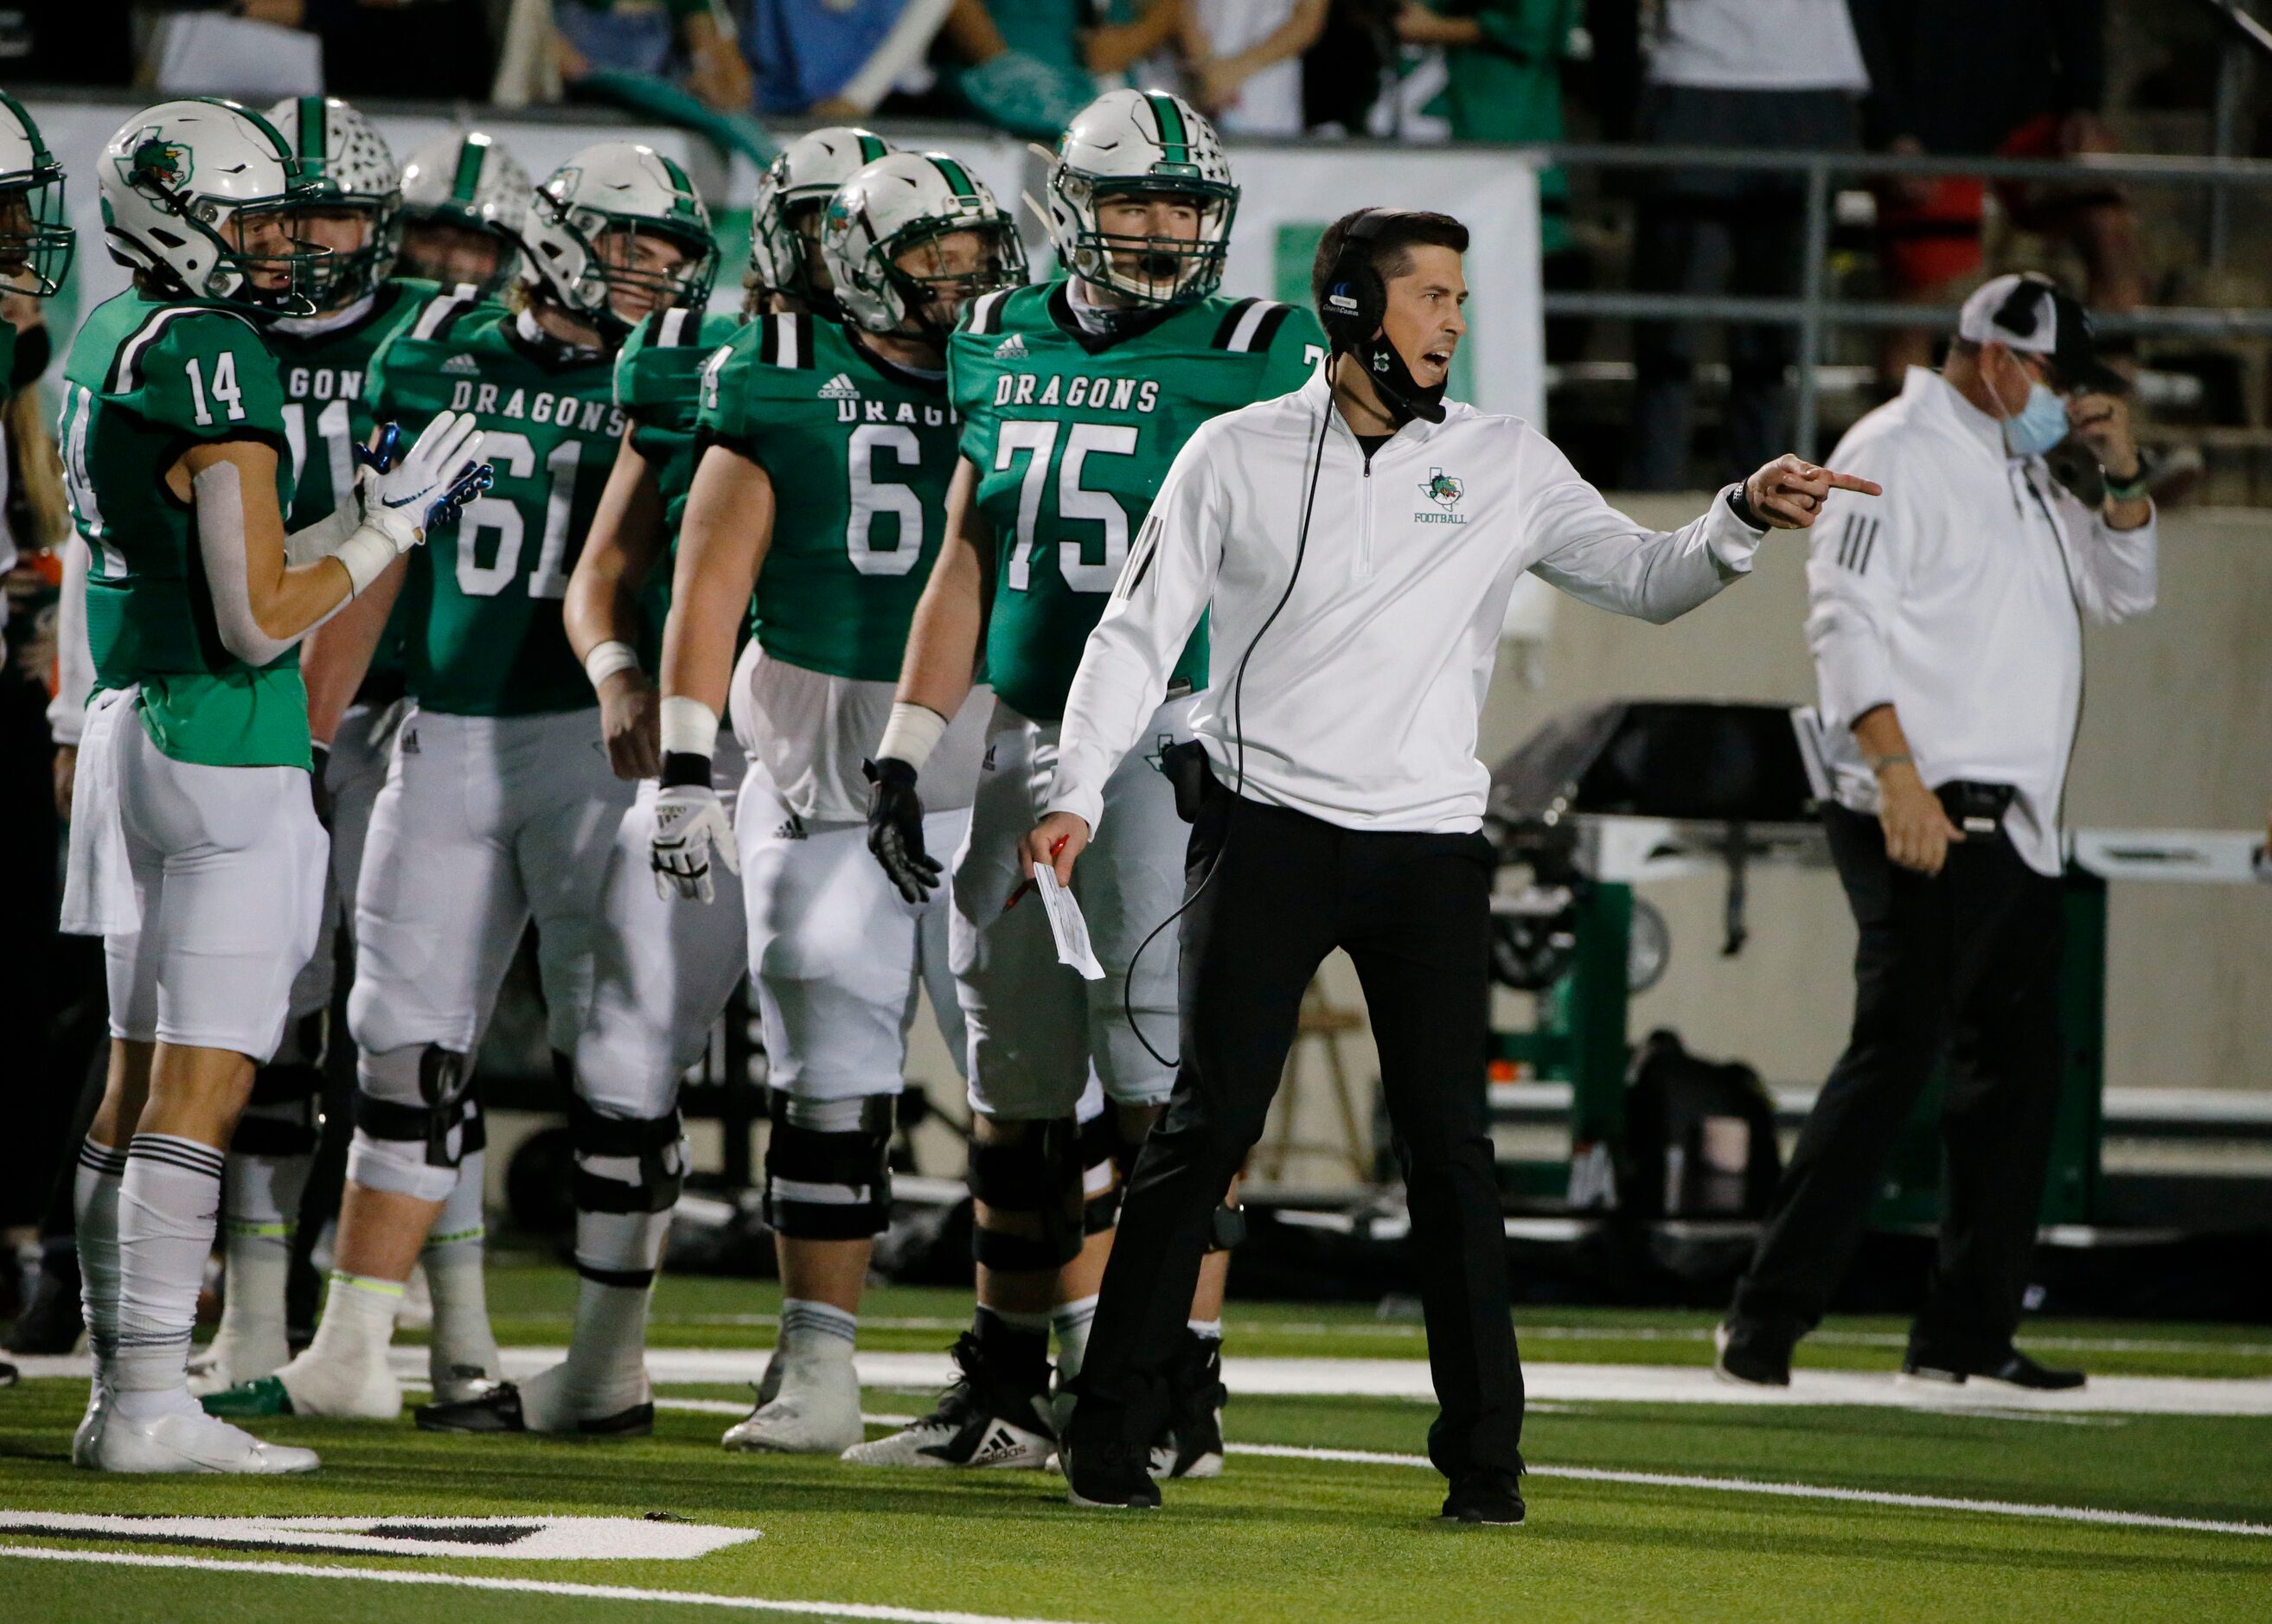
x=1274, y=1539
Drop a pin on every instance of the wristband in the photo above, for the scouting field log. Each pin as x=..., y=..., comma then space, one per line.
x=609, y=658
x=366, y=555
x=1739, y=503
x=683, y=768
x=912, y=735
x=689, y=727
x=2136, y=489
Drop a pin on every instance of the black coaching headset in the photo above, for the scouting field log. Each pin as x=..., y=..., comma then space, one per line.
x=1351, y=310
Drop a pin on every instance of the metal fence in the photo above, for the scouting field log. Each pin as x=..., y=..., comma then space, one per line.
x=1815, y=312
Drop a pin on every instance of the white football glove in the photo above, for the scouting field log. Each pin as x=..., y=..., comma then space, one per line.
x=442, y=472
x=688, y=821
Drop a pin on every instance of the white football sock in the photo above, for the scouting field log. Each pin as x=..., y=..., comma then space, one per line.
x=260, y=1207
x=462, y=1349
x=816, y=1331
x=605, y=1372
x=1070, y=1320
x=169, y=1204
x=1210, y=1330
x=95, y=1211
x=351, y=1340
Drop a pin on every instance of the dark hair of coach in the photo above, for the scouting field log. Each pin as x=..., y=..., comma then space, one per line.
x=1354, y=545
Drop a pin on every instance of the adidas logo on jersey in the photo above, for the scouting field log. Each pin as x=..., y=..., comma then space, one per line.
x=840, y=388
x=1011, y=348
x=462, y=365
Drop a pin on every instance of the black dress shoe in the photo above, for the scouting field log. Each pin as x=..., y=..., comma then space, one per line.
x=498, y=1411
x=2011, y=1366
x=1110, y=1476
x=1750, y=1353
x=1485, y=1497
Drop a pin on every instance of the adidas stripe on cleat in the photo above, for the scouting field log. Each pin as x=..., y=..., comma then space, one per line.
x=981, y=1422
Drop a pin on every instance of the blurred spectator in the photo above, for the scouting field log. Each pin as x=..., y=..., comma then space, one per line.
x=2013, y=78
x=1504, y=60
x=428, y=49
x=85, y=42
x=838, y=61
x=688, y=41
x=1731, y=73
x=1031, y=64
x=1245, y=56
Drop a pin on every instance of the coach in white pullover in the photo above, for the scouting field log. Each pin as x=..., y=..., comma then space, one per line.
x=1946, y=623
x=1354, y=543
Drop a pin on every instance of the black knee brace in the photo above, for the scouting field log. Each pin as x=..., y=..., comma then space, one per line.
x=279, y=1116
x=822, y=1186
x=1038, y=1174
x=656, y=1145
x=448, y=1119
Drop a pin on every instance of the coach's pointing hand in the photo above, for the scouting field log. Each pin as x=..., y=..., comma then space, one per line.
x=1788, y=493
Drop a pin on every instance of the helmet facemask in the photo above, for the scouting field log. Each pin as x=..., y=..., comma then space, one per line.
x=792, y=233
x=347, y=274
x=612, y=247
x=1149, y=270
x=956, y=262
x=36, y=235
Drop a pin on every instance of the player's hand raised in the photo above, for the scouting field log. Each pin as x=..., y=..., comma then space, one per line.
x=896, y=828
x=689, y=823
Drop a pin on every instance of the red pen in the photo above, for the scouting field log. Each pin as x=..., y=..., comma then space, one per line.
x=1025, y=885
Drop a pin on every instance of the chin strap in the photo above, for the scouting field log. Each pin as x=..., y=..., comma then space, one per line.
x=1392, y=382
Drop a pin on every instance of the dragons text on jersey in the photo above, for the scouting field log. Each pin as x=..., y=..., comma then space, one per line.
x=1072, y=435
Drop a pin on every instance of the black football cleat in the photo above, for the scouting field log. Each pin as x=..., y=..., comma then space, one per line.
x=498, y=1411
x=1486, y=1497
x=2010, y=1366
x=1750, y=1354
x=1191, y=1445
x=1110, y=1476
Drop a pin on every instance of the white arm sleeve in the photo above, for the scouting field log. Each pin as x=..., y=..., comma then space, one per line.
x=1163, y=589
x=1593, y=552
x=219, y=498
x=2115, y=572
x=324, y=538
x=1857, y=564
x=74, y=655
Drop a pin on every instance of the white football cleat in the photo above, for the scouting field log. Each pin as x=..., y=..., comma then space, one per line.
x=192, y=1441
x=814, y=1410
x=99, y=1407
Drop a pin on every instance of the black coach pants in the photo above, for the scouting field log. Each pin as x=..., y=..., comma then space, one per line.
x=1413, y=911
x=1962, y=967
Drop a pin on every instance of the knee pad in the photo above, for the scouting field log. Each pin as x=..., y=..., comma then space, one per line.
x=1039, y=1174
x=626, y=1163
x=828, y=1173
x=417, y=1113
x=280, y=1118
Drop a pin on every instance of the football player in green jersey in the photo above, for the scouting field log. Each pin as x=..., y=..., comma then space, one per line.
x=1076, y=395
x=787, y=271
x=322, y=359
x=196, y=852
x=464, y=200
x=499, y=806
x=819, y=501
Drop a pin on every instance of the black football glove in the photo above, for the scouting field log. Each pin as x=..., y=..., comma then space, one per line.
x=896, y=828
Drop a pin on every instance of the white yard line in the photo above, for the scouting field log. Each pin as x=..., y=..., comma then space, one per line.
x=1791, y=1491
x=534, y=1587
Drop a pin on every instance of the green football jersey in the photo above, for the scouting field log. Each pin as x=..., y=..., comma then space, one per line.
x=492, y=642
x=146, y=380
x=1072, y=436
x=327, y=414
x=657, y=372
x=860, y=452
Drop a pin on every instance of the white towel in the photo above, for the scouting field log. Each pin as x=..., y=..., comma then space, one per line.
x=98, y=895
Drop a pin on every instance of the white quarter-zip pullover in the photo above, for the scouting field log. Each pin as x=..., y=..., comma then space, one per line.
x=1958, y=597
x=1361, y=703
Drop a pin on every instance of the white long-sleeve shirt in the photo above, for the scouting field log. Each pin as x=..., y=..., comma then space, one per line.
x=1360, y=704
x=1958, y=597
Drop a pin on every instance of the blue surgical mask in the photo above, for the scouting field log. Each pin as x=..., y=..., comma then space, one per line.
x=2042, y=423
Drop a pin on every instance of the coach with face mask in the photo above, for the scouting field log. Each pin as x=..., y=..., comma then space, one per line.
x=1354, y=544
x=1947, y=621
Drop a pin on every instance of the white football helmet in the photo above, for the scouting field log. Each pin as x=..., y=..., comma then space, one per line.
x=467, y=179
x=793, y=191
x=35, y=243
x=345, y=160
x=617, y=188
x=900, y=202
x=1142, y=142
x=179, y=183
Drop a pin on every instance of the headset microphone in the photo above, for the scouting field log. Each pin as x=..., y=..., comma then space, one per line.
x=1355, y=301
